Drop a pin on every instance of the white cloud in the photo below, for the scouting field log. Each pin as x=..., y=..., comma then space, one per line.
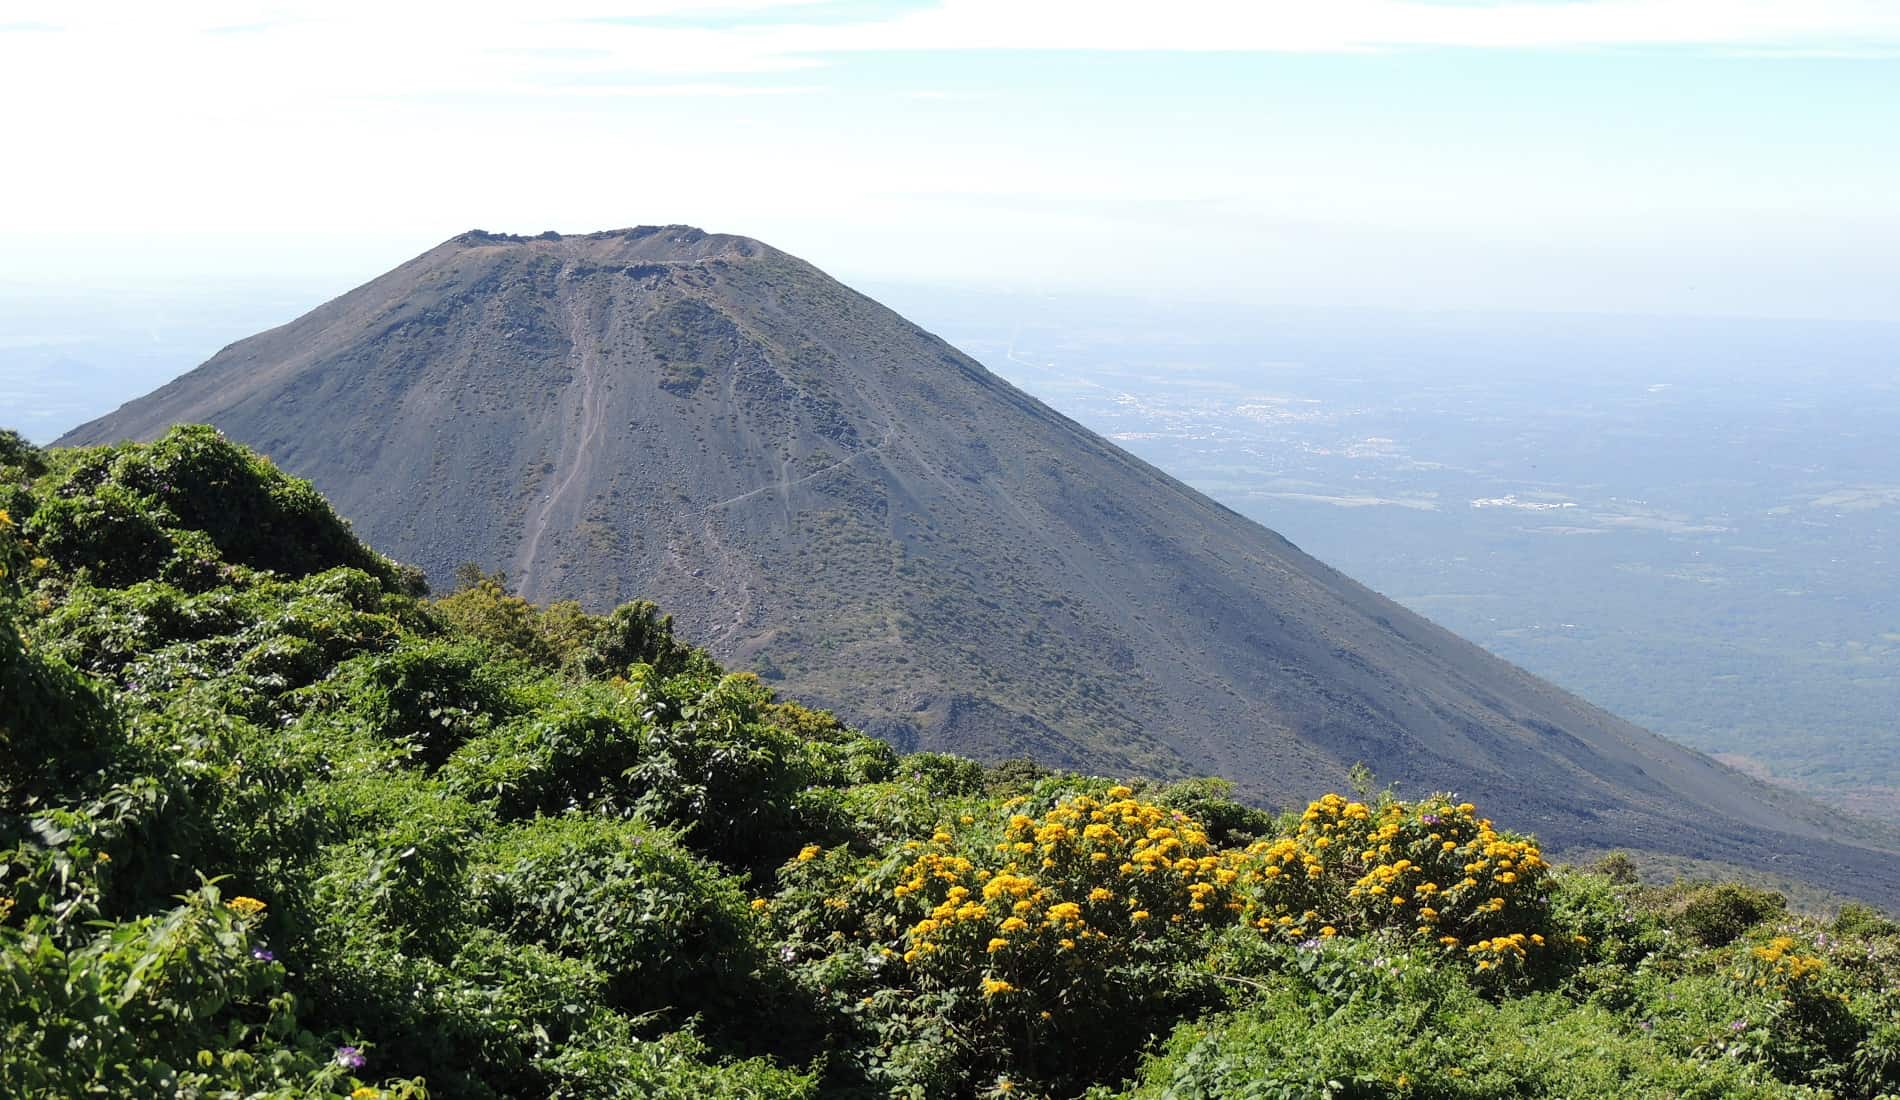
x=140, y=62
x=489, y=44
x=662, y=91
x=941, y=96
x=413, y=121
x=1346, y=25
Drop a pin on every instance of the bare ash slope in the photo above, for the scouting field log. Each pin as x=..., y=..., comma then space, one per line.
x=819, y=489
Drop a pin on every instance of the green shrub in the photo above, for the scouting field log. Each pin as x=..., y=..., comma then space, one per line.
x=16, y=505
x=1296, y=1041
x=482, y=607
x=633, y=634
x=612, y=1063
x=429, y=696
x=1619, y=868
x=184, y=504
x=1718, y=914
x=55, y=729
x=1211, y=802
x=1009, y=778
x=102, y=630
x=572, y=752
x=832, y=755
x=940, y=774
x=481, y=1022
x=1856, y=919
x=398, y=858
x=19, y=459
x=185, y=1003
x=255, y=514
x=712, y=761
x=73, y=864
x=112, y=536
x=666, y=928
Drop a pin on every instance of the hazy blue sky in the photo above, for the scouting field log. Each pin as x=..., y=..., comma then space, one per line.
x=1700, y=156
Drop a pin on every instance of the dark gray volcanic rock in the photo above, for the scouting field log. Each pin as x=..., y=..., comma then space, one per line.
x=818, y=489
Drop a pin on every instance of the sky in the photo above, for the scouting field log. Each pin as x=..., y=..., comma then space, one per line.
x=1710, y=157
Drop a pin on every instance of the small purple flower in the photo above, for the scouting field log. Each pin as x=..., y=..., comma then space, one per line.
x=1310, y=945
x=1738, y=1025
x=350, y=1058
x=1429, y=819
x=787, y=954
x=262, y=955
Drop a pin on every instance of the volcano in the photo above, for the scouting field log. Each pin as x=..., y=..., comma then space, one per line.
x=823, y=492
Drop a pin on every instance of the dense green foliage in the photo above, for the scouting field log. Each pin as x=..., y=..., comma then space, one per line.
x=273, y=824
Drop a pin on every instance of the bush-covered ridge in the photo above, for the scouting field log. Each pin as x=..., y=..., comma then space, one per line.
x=272, y=824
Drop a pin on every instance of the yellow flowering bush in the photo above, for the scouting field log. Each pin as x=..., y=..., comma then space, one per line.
x=1043, y=896
x=1781, y=957
x=1083, y=884
x=1786, y=967
x=1072, y=924
x=1433, y=869
x=1067, y=923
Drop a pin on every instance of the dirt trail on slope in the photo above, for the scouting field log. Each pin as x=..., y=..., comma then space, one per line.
x=783, y=486
x=592, y=413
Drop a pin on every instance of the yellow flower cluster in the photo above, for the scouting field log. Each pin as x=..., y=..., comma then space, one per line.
x=1434, y=867
x=1057, y=886
x=1785, y=962
x=1092, y=876
x=1502, y=949
x=245, y=906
